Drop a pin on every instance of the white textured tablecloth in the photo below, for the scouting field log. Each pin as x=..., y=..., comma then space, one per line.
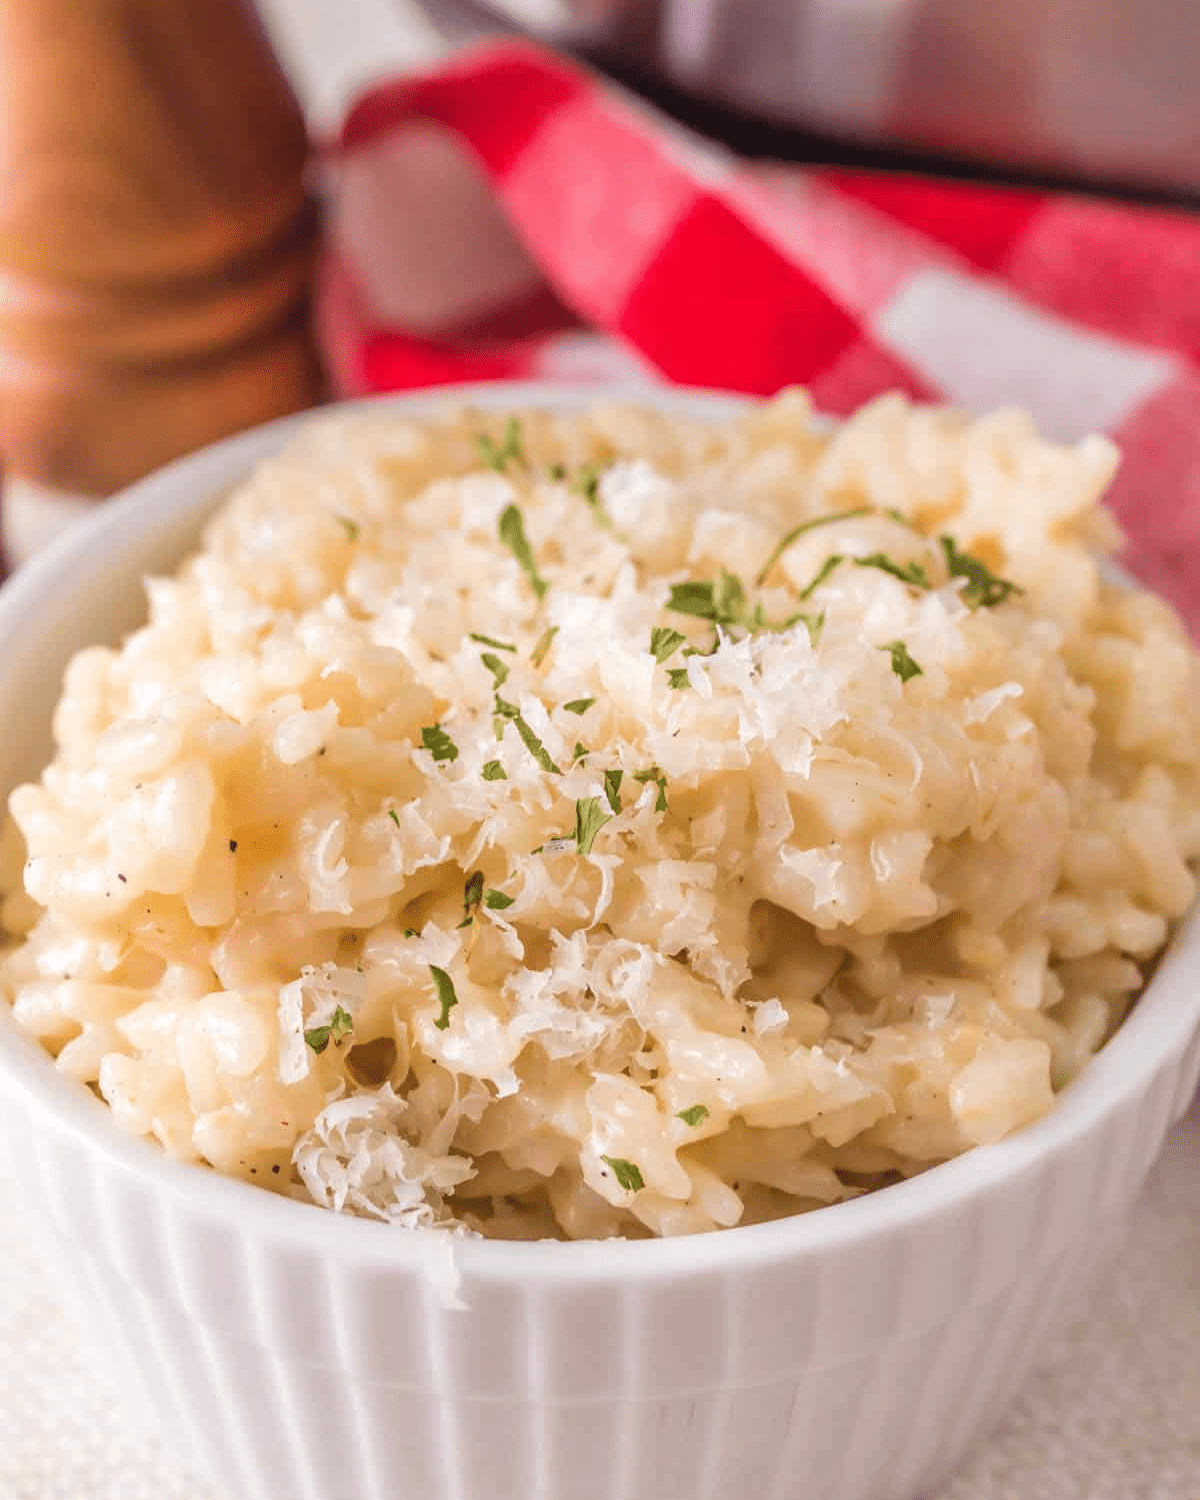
x=1117, y=1417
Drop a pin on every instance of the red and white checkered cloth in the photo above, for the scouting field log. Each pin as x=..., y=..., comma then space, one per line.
x=509, y=215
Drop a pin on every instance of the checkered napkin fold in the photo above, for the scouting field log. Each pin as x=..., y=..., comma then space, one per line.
x=511, y=216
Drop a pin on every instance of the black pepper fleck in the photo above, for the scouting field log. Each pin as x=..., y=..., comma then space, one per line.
x=233, y=846
x=275, y=1169
x=122, y=879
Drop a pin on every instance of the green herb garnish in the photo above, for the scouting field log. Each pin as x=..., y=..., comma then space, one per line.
x=612, y=788
x=498, y=455
x=723, y=600
x=589, y=820
x=488, y=640
x=627, y=1174
x=439, y=744
x=542, y=645
x=472, y=896
x=655, y=775
x=579, y=751
x=587, y=484
x=902, y=663
x=394, y=815
x=511, y=530
x=579, y=705
x=496, y=667
x=665, y=642
x=695, y=1115
x=493, y=771
x=498, y=901
x=798, y=531
x=351, y=528
x=911, y=573
x=822, y=573
x=341, y=1024
x=557, y=472
x=814, y=624
x=984, y=589
x=587, y=481
x=446, y=993
x=529, y=739
x=678, y=677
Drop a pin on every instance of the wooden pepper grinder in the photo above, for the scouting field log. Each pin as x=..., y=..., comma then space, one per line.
x=157, y=244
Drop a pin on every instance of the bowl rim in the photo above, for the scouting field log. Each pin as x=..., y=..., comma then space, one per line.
x=1161, y=1025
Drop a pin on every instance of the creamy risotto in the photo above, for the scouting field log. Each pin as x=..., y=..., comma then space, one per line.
x=613, y=824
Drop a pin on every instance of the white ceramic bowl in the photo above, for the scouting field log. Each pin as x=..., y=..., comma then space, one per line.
x=849, y=1354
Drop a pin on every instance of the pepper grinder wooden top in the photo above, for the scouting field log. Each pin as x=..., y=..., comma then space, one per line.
x=156, y=237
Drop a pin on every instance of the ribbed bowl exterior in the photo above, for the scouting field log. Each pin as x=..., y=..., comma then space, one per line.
x=288, y=1366
x=292, y=1354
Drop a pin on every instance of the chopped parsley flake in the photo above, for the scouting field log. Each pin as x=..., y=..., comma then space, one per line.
x=410, y=932
x=655, y=775
x=341, y=1024
x=529, y=739
x=511, y=529
x=557, y=472
x=899, y=517
x=542, y=646
x=579, y=705
x=351, y=528
x=612, y=788
x=814, y=624
x=722, y=600
x=439, y=744
x=626, y=1173
x=902, y=663
x=494, y=771
x=394, y=815
x=498, y=901
x=798, y=531
x=678, y=677
x=496, y=667
x=822, y=573
x=498, y=455
x=587, y=484
x=984, y=590
x=589, y=820
x=446, y=993
x=472, y=896
x=579, y=751
x=665, y=642
x=489, y=640
x=911, y=573
x=695, y=1115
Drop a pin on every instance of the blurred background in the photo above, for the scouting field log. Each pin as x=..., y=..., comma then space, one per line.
x=1106, y=91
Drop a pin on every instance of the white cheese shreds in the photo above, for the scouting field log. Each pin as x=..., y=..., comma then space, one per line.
x=607, y=823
